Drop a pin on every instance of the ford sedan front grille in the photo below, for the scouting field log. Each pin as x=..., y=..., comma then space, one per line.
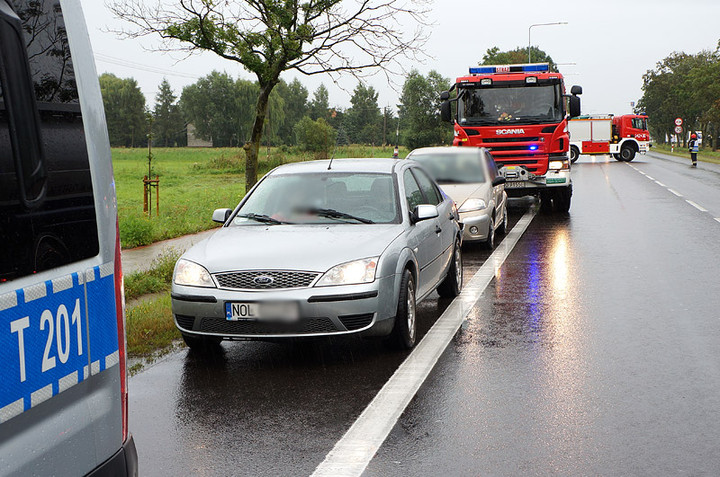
x=265, y=280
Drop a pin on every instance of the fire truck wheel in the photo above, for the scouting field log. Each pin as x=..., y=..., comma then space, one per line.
x=627, y=154
x=617, y=156
x=574, y=154
x=562, y=199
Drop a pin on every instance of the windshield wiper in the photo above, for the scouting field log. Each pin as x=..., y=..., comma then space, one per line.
x=265, y=219
x=334, y=214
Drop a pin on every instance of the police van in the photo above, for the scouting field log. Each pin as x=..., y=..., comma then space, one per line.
x=63, y=384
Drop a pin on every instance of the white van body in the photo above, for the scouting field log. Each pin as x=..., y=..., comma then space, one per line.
x=63, y=391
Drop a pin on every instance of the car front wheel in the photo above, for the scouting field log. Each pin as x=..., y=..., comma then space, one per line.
x=452, y=285
x=201, y=344
x=405, y=330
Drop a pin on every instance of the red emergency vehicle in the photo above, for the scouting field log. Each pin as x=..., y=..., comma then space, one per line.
x=622, y=136
x=520, y=114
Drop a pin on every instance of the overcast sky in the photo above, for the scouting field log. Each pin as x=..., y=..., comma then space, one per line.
x=606, y=46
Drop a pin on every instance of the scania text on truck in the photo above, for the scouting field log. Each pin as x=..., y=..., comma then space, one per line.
x=622, y=136
x=63, y=383
x=520, y=114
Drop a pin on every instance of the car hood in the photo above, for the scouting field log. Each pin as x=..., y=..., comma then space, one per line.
x=462, y=192
x=291, y=247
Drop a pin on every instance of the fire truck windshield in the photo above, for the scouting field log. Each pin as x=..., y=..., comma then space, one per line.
x=639, y=123
x=515, y=104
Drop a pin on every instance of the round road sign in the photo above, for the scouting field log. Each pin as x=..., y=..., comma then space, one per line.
x=678, y=122
x=678, y=129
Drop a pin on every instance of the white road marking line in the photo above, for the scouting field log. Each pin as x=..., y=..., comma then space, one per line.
x=675, y=192
x=717, y=218
x=354, y=451
x=651, y=178
x=697, y=206
x=660, y=184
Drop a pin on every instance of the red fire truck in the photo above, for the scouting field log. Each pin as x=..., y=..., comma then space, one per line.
x=622, y=136
x=519, y=113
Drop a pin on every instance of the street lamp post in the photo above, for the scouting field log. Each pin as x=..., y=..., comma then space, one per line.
x=540, y=24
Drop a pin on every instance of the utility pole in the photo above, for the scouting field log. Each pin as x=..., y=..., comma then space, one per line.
x=536, y=25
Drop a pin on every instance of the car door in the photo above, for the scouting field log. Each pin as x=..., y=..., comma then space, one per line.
x=443, y=228
x=498, y=192
x=422, y=238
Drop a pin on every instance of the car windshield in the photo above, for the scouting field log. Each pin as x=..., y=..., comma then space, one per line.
x=508, y=105
x=321, y=198
x=452, y=167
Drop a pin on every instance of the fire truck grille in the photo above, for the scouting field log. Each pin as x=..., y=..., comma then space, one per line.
x=511, y=139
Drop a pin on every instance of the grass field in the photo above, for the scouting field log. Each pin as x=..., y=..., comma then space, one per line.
x=704, y=155
x=193, y=183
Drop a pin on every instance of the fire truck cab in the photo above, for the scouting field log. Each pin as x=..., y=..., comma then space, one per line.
x=519, y=113
x=622, y=136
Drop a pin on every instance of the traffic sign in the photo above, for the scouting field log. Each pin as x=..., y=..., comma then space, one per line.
x=678, y=129
x=678, y=122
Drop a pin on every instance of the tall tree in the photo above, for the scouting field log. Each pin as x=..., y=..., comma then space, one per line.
x=269, y=37
x=419, y=110
x=125, y=111
x=320, y=104
x=168, y=125
x=363, y=118
x=295, y=97
x=493, y=56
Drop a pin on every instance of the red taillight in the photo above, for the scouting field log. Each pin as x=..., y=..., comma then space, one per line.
x=122, y=350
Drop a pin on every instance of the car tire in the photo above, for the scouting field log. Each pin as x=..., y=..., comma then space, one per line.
x=503, y=228
x=574, y=154
x=404, y=333
x=452, y=284
x=201, y=344
x=490, y=240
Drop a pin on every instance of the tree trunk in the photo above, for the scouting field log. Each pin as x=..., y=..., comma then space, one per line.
x=253, y=146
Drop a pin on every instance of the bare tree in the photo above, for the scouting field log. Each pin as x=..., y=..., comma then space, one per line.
x=268, y=37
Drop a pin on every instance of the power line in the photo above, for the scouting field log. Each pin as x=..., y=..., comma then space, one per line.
x=139, y=66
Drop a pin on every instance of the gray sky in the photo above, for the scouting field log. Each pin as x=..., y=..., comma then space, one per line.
x=612, y=43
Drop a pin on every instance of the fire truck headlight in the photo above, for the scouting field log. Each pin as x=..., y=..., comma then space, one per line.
x=531, y=80
x=558, y=165
x=486, y=82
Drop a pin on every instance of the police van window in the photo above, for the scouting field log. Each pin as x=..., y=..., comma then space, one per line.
x=47, y=211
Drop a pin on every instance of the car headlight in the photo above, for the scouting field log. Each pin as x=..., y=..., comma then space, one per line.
x=191, y=274
x=558, y=165
x=471, y=205
x=350, y=273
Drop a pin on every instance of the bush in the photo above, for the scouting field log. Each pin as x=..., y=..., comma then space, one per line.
x=154, y=280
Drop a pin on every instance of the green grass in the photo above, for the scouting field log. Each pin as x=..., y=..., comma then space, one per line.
x=193, y=183
x=157, y=279
x=150, y=327
x=704, y=155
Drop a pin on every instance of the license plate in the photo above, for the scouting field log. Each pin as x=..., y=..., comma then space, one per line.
x=280, y=311
x=514, y=184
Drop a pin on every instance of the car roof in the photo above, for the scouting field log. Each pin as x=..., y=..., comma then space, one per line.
x=445, y=149
x=368, y=165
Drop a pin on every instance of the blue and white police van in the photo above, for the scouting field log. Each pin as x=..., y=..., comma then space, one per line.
x=63, y=381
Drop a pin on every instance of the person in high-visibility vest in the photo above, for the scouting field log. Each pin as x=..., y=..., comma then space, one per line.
x=694, y=148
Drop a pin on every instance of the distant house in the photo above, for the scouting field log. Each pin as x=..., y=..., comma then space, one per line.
x=193, y=140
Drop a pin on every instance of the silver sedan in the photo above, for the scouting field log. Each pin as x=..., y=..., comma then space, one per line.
x=322, y=248
x=470, y=177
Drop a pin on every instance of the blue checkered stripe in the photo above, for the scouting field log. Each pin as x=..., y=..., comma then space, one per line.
x=52, y=337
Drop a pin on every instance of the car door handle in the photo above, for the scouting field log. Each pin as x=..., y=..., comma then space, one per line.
x=438, y=230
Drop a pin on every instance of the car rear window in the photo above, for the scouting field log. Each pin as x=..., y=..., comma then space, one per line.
x=47, y=211
x=453, y=168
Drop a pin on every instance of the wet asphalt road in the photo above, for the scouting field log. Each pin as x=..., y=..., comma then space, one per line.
x=594, y=351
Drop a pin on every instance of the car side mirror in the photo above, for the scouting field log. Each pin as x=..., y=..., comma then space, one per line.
x=499, y=180
x=221, y=215
x=574, y=106
x=424, y=212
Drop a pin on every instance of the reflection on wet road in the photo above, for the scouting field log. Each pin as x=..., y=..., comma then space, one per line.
x=594, y=351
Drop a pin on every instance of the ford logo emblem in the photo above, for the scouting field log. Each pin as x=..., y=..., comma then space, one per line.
x=263, y=280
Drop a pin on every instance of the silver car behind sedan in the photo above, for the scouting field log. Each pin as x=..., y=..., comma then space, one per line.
x=318, y=249
x=470, y=177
